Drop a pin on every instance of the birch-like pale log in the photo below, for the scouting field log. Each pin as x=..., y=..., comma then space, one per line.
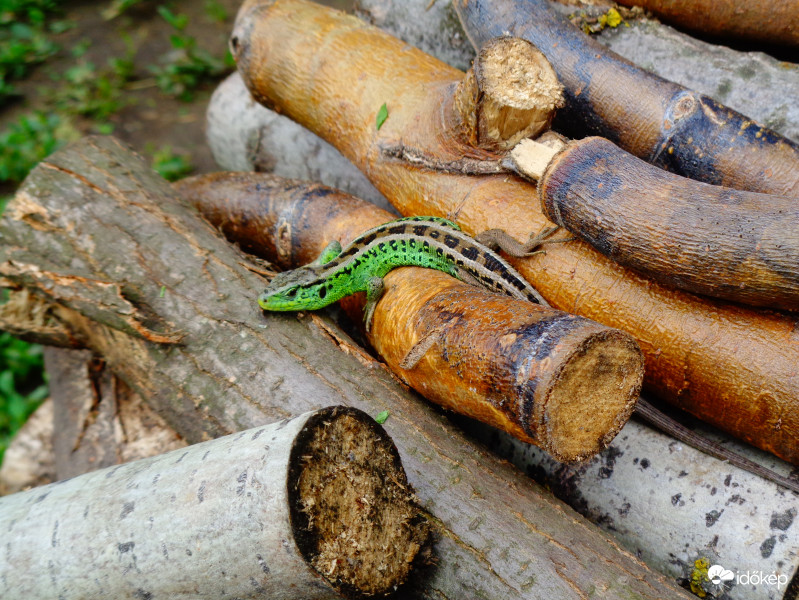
x=142, y=280
x=277, y=512
x=672, y=505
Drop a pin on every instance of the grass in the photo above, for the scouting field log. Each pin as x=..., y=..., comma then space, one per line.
x=171, y=166
x=22, y=385
x=24, y=40
x=188, y=66
x=27, y=141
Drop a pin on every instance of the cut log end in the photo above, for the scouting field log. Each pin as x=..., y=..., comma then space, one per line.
x=355, y=517
x=509, y=94
x=531, y=158
x=592, y=396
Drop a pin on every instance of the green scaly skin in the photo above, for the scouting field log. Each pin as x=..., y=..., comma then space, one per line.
x=429, y=242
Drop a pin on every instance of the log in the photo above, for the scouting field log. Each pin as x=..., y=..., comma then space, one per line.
x=509, y=94
x=310, y=507
x=29, y=459
x=671, y=506
x=546, y=377
x=731, y=366
x=772, y=22
x=171, y=307
x=705, y=239
x=659, y=121
x=633, y=503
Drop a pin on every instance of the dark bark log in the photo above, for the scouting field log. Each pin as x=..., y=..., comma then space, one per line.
x=171, y=308
x=659, y=121
x=752, y=83
x=767, y=22
x=705, y=239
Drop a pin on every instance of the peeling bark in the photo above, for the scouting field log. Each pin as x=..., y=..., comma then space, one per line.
x=101, y=421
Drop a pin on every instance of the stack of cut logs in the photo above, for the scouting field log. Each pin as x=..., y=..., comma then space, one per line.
x=681, y=277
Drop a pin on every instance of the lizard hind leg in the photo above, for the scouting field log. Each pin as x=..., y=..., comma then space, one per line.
x=466, y=277
x=331, y=251
x=374, y=290
x=498, y=239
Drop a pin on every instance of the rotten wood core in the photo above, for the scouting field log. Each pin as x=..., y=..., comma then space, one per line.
x=354, y=513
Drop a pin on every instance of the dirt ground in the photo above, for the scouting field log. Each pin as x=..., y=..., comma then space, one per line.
x=150, y=119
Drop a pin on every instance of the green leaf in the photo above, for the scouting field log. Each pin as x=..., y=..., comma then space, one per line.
x=215, y=11
x=171, y=166
x=382, y=115
x=179, y=22
x=381, y=417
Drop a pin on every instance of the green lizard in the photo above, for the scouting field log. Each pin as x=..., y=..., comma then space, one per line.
x=438, y=243
x=430, y=242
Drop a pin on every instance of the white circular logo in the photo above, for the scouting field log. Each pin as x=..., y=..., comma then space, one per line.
x=717, y=574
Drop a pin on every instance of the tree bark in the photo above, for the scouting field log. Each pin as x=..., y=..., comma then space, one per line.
x=705, y=239
x=171, y=307
x=29, y=459
x=249, y=144
x=275, y=511
x=101, y=421
x=732, y=366
x=772, y=22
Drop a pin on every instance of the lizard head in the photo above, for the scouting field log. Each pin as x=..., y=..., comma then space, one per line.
x=293, y=290
x=303, y=288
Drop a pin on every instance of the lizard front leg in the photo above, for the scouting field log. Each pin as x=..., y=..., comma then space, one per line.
x=331, y=251
x=374, y=290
